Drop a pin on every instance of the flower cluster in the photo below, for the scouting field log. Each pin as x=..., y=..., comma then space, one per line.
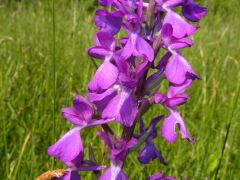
x=128, y=83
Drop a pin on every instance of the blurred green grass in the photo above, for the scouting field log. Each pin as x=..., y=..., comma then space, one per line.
x=27, y=89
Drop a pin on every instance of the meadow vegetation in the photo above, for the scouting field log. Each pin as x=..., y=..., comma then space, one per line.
x=43, y=63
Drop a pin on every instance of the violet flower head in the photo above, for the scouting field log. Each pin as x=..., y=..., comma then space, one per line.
x=128, y=82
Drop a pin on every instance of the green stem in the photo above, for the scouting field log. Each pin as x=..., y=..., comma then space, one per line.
x=54, y=71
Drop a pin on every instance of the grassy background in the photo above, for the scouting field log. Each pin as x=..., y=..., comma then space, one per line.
x=29, y=104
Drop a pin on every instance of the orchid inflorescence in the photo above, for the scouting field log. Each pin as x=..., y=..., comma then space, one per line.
x=128, y=83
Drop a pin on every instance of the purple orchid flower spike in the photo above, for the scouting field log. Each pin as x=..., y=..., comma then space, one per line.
x=168, y=129
x=81, y=114
x=129, y=82
x=193, y=11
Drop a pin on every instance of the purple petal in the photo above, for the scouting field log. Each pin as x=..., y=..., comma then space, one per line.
x=181, y=43
x=105, y=76
x=98, y=122
x=171, y=3
x=105, y=40
x=108, y=22
x=168, y=128
x=105, y=2
x=166, y=33
x=177, y=69
x=193, y=11
x=125, y=78
x=137, y=46
x=81, y=112
x=156, y=120
x=180, y=27
x=122, y=107
x=98, y=52
x=159, y=176
x=147, y=154
x=131, y=143
x=101, y=100
x=156, y=176
x=127, y=51
x=140, y=8
x=159, y=98
x=176, y=90
x=123, y=41
x=132, y=23
x=119, y=153
x=127, y=81
x=142, y=48
x=153, y=125
x=124, y=6
x=163, y=62
x=160, y=157
x=68, y=149
x=114, y=172
x=177, y=100
x=123, y=66
x=171, y=42
x=70, y=175
x=141, y=69
x=110, y=175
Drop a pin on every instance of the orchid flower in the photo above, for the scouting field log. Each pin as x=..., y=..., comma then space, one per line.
x=129, y=82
